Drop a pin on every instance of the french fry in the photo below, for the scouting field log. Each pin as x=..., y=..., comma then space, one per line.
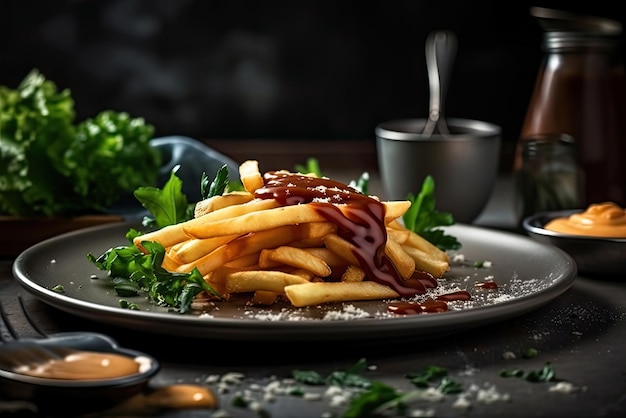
x=398, y=235
x=417, y=241
x=254, y=221
x=241, y=244
x=221, y=201
x=404, y=263
x=353, y=273
x=250, y=175
x=264, y=297
x=248, y=261
x=299, y=258
x=166, y=236
x=255, y=280
x=193, y=249
x=265, y=261
x=307, y=294
x=394, y=209
x=305, y=274
x=329, y=257
x=341, y=247
x=248, y=244
x=426, y=262
x=174, y=234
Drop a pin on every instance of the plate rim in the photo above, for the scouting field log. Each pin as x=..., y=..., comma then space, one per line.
x=236, y=329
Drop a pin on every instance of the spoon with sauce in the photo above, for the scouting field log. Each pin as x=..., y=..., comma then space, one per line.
x=86, y=372
x=90, y=369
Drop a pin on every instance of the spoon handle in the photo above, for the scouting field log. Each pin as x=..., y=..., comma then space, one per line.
x=440, y=51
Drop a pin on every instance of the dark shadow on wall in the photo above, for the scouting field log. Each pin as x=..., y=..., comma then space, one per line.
x=277, y=69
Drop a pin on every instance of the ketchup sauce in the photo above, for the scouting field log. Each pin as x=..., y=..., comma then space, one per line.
x=360, y=221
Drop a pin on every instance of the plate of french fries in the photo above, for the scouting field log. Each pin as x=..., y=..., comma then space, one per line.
x=297, y=257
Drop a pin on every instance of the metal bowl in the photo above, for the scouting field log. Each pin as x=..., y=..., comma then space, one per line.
x=464, y=164
x=593, y=255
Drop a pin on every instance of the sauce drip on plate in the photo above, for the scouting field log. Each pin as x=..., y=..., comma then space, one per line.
x=360, y=219
x=599, y=220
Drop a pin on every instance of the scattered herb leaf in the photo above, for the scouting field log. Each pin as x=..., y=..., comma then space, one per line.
x=449, y=386
x=308, y=377
x=362, y=183
x=343, y=378
x=58, y=288
x=217, y=186
x=312, y=166
x=379, y=396
x=546, y=374
x=423, y=219
x=124, y=304
x=530, y=353
x=424, y=378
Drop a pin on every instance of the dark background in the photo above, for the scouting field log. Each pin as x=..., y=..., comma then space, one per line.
x=318, y=70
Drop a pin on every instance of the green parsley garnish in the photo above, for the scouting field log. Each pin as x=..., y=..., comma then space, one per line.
x=545, y=374
x=133, y=272
x=128, y=305
x=423, y=219
x=312, y=166
x=58, y=288
x=343, y=378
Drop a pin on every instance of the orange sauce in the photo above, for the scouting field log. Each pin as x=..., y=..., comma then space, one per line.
x=85, y=365
x=173, y=397
x=605, y=219
x=181, y=396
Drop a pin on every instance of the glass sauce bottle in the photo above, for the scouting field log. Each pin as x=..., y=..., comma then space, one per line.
x=580, y=92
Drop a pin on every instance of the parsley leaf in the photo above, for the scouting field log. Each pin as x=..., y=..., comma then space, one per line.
x=169, y=205
x=379, y=396
x=312, y=166
x=423, y=219
x=133, y=271
x=545, y=374
x=361, y=183
x=343, y=378
x=217, y=186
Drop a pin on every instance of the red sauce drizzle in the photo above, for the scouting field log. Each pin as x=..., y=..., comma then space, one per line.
x=413, y=308
x=361, y=222
x=486, y=285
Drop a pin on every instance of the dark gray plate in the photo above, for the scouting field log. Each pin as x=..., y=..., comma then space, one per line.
x=528, y=274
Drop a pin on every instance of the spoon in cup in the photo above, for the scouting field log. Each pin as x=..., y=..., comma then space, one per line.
x=440, y=51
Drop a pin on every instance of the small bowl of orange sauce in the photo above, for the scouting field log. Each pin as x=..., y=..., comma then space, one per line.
x=594, y=237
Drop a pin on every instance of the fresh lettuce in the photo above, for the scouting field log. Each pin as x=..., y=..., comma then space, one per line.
x=52, y=166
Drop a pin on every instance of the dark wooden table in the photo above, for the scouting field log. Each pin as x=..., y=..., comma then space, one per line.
x=582, y=334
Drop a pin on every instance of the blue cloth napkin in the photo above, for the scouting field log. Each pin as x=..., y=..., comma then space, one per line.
x=193, y=157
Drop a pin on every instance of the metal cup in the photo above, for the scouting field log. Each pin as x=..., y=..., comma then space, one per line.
x=464, y=164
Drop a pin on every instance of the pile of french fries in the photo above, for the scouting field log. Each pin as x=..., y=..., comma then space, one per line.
x=245, y=245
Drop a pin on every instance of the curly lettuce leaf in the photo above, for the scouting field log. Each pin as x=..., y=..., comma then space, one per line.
x=36, y=126
x=110, y=156
x=50, y=166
